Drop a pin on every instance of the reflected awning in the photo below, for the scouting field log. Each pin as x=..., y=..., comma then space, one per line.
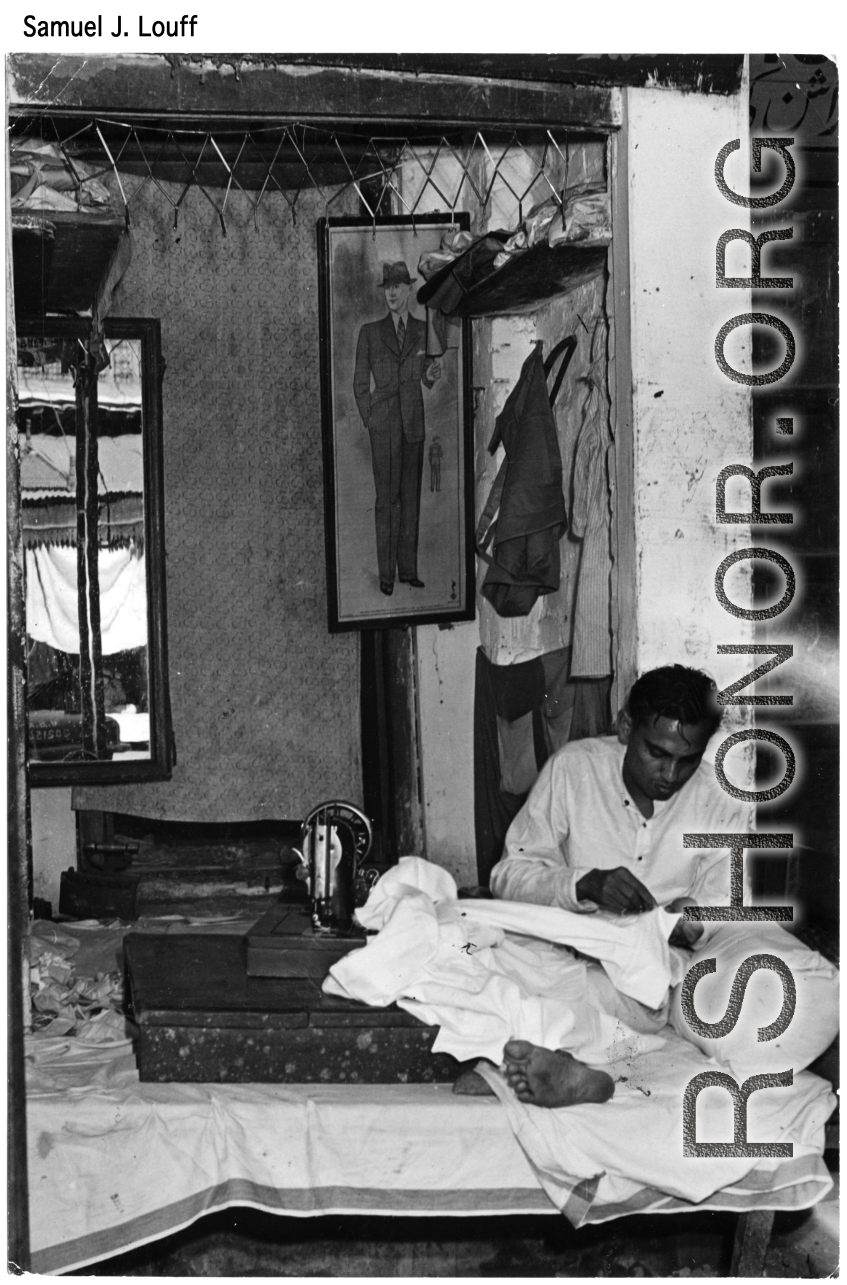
x=53, y=521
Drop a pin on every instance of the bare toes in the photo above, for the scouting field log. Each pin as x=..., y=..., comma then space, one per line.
x=472, y=1084
x=518, y=1050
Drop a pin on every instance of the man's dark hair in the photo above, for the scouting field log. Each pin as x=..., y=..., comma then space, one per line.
x=676, y=692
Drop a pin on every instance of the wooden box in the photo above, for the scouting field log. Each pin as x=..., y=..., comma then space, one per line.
x=202, y=1019
x=284, y=943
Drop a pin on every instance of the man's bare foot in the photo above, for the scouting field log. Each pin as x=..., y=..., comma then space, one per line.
x=551, y=1077
x=471, y=1084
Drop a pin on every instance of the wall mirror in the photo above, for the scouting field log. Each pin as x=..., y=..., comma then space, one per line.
x=90, y=438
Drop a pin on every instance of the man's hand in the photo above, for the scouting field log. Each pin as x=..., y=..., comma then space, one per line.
x=686, y=935
x=617, y=890
x=687, y=932
x=433, y=370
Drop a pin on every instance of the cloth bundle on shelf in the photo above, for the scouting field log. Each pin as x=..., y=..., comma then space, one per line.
x=558, y=246
x=42, y=178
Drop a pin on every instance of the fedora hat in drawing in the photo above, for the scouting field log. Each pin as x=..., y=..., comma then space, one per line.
x=396, y=274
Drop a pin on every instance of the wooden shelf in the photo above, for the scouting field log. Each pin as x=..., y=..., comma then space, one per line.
x=526, y=281
x=60, y=257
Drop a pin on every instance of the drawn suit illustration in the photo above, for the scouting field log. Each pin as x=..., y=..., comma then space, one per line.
x=391, y=371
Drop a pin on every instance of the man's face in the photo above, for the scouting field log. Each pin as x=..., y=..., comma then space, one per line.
x=397, y=296
x=661, y=755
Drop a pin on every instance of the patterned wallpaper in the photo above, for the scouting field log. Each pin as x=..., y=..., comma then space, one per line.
x=265, y=701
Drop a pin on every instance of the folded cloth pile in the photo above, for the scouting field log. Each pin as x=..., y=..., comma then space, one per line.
x=452, y=245
x=583, y=217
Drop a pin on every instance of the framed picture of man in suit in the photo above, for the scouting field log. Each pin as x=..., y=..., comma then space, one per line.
x=395, y=386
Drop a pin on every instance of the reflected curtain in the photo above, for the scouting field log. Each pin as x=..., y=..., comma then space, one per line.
x=52, y=598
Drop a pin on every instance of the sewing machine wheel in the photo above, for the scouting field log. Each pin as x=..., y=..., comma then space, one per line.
x=359, y=824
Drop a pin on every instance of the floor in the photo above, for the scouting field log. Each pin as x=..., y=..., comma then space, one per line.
x=248, y=1243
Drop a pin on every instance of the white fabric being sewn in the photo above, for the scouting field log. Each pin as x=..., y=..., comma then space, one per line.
x=451, y=964
x=633, y=949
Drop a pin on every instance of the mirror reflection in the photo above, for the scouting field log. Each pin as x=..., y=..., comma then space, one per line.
x=98, y=707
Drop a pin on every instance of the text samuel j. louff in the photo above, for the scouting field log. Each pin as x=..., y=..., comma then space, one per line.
x=184, y=26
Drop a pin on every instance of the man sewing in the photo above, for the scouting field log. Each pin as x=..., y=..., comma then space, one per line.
x=391, y=355
x=602, y=829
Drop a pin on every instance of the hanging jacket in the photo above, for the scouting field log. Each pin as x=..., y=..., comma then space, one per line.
x=524, y=518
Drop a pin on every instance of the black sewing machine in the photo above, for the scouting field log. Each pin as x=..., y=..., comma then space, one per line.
x=293, y=941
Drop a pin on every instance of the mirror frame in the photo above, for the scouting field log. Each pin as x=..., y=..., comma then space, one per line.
x=159, y=767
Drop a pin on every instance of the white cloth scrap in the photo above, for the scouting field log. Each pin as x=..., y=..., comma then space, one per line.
x=451, y=964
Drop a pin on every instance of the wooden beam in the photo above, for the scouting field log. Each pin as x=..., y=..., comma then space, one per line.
x=19, y=848
x=252, y=178
x=752, y=1237
x=622, y=479
x=402, y=709
x=700, y=73
x=88, y=573
x=145, y=85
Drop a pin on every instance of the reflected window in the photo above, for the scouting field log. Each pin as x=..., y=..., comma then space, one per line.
x=90, y=453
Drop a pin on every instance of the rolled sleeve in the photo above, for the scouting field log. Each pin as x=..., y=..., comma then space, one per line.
x=544, y=881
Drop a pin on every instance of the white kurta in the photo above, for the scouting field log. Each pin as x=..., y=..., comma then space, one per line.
x=580, y=817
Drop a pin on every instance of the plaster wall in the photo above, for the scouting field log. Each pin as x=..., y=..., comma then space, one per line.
x=53, y=841
x=253, y=668
x=690, y=420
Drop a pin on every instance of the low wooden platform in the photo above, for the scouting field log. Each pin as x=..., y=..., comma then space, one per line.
x=202, y=1019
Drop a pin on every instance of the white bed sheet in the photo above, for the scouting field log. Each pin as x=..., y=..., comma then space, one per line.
x=120, y=1163
x=114, y=1163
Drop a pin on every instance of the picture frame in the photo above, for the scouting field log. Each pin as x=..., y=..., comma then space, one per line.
x=397, y=440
